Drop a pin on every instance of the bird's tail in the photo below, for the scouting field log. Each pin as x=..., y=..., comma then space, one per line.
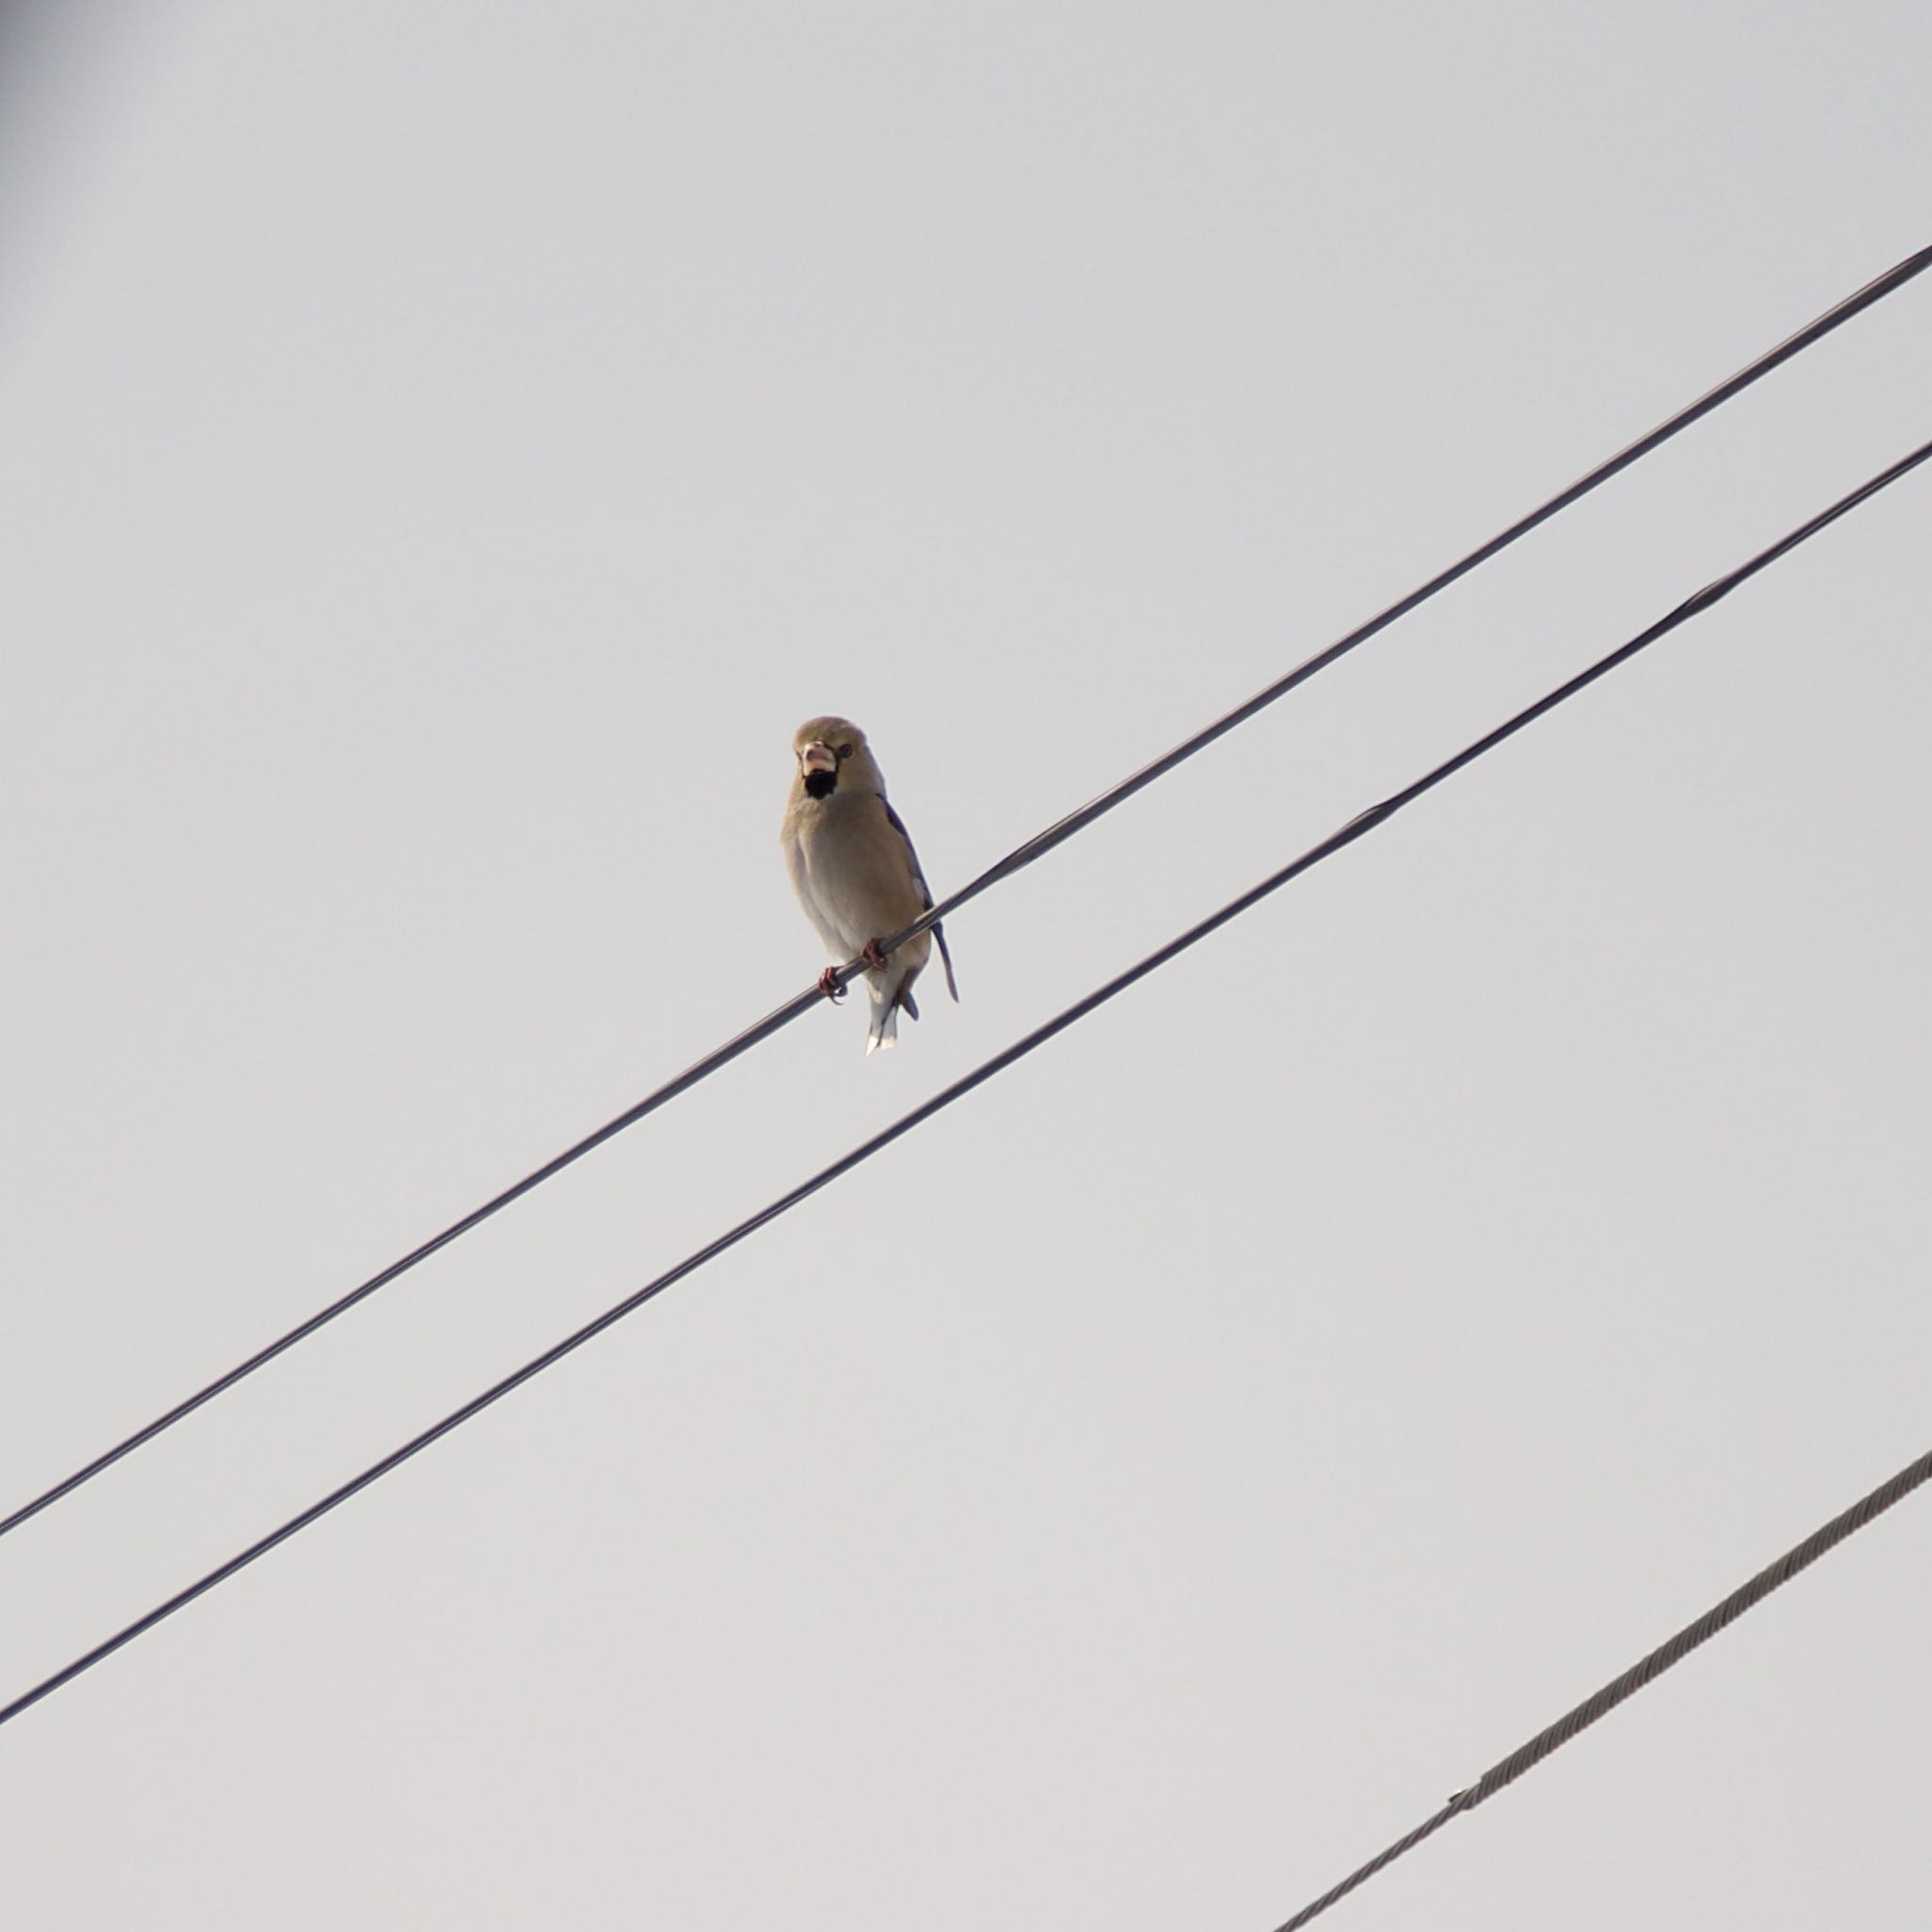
x=886, y=1002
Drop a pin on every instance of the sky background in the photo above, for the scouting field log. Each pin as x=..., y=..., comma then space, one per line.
x=444, y=452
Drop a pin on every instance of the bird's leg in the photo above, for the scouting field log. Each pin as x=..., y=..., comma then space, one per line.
x=828, y=984
x=870, y=955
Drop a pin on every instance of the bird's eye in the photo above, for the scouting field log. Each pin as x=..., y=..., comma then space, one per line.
x=844, y=751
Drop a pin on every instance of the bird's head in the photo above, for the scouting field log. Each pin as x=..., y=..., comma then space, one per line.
x=833, y=757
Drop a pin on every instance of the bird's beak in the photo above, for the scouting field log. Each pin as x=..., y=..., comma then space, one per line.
x=817, y=758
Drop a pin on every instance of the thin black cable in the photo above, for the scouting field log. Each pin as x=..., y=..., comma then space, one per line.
x=1362, y=1873
x=1874, y=290
x=1861, y=299
x=1772, y=1576
x=1358, y=826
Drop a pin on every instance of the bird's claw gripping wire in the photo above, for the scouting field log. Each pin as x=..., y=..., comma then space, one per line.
x=869, y=955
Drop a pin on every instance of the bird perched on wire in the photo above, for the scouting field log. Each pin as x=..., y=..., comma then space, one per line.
x=854, y=871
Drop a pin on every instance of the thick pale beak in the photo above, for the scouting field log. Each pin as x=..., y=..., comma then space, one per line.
x=817, y=758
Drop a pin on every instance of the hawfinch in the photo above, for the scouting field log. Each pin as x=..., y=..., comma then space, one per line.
x=854, y=871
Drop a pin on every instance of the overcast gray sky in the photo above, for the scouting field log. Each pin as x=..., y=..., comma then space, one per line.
x=444, y=453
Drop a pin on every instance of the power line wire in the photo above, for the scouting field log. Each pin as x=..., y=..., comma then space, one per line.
x=1646, y=1671
x=780, y=1017
x=1875, y=290
x=1357, y=827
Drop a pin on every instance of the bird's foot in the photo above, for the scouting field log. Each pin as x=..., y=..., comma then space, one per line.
x=828, y=984
x=870, y=955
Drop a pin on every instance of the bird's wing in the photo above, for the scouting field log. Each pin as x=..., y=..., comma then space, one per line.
x=938, y=930
x=898, y=825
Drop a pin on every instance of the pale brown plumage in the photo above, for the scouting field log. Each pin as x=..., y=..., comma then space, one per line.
x=854, y=868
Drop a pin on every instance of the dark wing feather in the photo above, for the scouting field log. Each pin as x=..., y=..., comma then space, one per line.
x=939, y=932
x=898, y=825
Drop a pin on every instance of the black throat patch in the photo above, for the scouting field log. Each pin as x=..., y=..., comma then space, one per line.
x=822, y=784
